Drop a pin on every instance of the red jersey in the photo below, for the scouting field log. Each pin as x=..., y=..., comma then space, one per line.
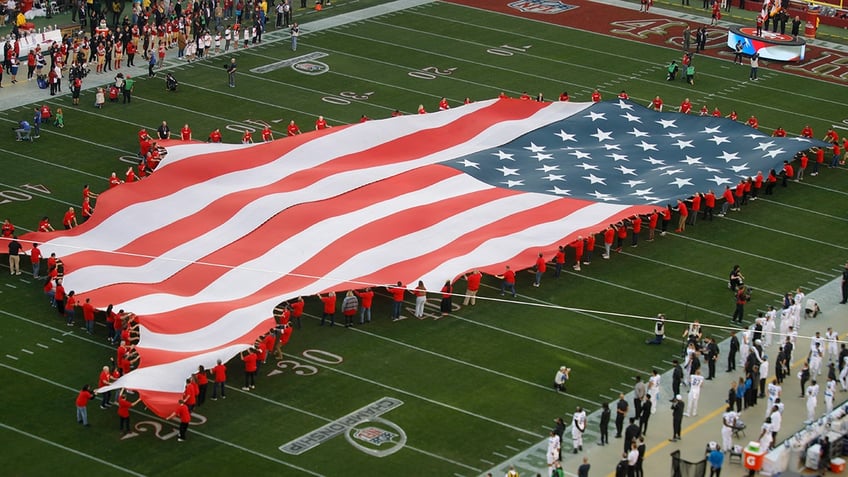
x=509, y=276
x=329, y=303
x=292, y=129
x=728, y=196
x=623, y=95
x=114, y=182
x=696, y=202
x=657, y=103
x=69, y=219
x=421, y=110
x=716, y=113
x=88, y=311
x=250, y=362
x=321, y=124
x=83, y=397
x=559, y=258
x=124, y=406
x=804, y=161
x=590, y=242
x=247, y=137
x=596, y=97
x=8, y=229
x=685, y=107
x=609, y=235
x=220, y=373
x=367, y=297
x=758, y=181
x=779, y=132
x=104, y=378
x=653, y=219
x=185, y=133
x=733, y=116
x=807, y=132
x=752, y=121
x=637, y=224
x=215, y=136
x=541, y=266
x=130, y=176
x=709, y=199
x=297, y=307
x=564, y=97
x=44, y=225
x=577, y=245
x=474, y=281
x=397, y=292
x=820, y=155
x=35, y=255
x=183, y=413
x=443, y=104
x=704, y=110
x=266, y=134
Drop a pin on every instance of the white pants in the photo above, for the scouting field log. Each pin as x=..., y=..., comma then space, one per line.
x=832, y=352
x=815, y=366
x=811, y=408
x=692, y=403
x=655, y=398
x=576, y=438
x=828, y=402
x=726, y=438
x=843, y=378
x=419, y=306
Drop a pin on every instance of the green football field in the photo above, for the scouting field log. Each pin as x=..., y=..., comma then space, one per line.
x=463, y=393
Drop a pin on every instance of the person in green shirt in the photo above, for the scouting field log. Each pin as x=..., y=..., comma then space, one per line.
x=690, y=74
x=672, y=70
x=129, y=84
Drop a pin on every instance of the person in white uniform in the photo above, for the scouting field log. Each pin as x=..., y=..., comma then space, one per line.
x=654, y=389
x=577, y=429
x=829, y=390
x=728, y=423
x=812, y=394
x=695, y=383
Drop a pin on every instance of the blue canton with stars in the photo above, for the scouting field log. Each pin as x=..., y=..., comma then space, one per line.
x=623, y=153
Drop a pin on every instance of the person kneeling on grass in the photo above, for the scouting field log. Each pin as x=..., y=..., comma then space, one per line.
x=170, y=82
x=561, y=378
x=672, y=70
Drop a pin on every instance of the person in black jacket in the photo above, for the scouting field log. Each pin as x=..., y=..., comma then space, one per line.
x=731, y=355
x=559, y=429
x=677, y=417
x=620, y=413
x=676, y=378
x=605, y=419
x=631, y=433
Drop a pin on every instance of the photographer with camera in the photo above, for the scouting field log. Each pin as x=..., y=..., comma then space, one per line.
x=743, y=295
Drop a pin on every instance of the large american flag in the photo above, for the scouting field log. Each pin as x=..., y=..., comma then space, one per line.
x=204, y=248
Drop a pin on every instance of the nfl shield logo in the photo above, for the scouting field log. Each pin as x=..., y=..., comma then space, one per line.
x=545, y=7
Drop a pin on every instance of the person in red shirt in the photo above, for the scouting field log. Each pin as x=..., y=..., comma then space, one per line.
x=666, y=220
x=653, y=218
x=704, y=111
x=70, y=307
x=297, y=309
x=683, y=216
x=753, y=122
x=739, y=194
x=44, y=225
x=771, y=181
x=420, y=293
x=757, y=185
x=577, y=245
x=247, y=138
x=35, y=260
x=215, y=136
x=366, y=297
x=709, y=204
x=114, y=181
x=185, y=133
x=130, y=177
x=685, y=106
x=124, y=406
x=446, y=305
x=836, y=154
x=329, y=308
x=88, y=316
x=249, y=357
x=396, y=113
x=564, y=96
x=716, y=113
x=623, y=95
x=541, y=267
x=443, y=104
x=190, y=394
x=397, y=292
x=588, y=249
x=473, y=280
x=524, y=96
x=803, y=161
x=596, y=96
x=219, y=372
x=559, y=261
x=70, y=219
x=421, y=109
x=508, y=282
x=292, y=129
x=184, y=415
x=87, y=194
x=656, y=104
x=502, y=95
x=59, y=297
x=267, y=135
x=621, y=233
x=831, y=136
x=695, y=209
x=320, y=123
x=102, y=381
x=807, y=132
x=83, y=397
x=636, y=225
x=728, y=201
x=819, y=160
x=87, y=210
x=609, y=236
x=787, y=172
x=779, y=132
x=733, y=116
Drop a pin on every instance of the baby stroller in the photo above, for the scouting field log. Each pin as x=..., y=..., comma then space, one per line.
x=811, y=309
x=171, y=82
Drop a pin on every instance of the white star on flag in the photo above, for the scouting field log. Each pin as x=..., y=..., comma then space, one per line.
x=547, y=168
x=618, y=157
x=719, y=139
x=633, y=183
x=666, y=123
x=647, y=146
x=554, y=177
x=691, y=160
x=502, y=155
x=556, y=190
x=728, y=156
x=580, y=154
x=720, y=180
x=511, y=183
x=631, y=118
x=467, y=163
x=593, y=115
x=593, y=179
x=507, y=171
x=680, y=182
x=534, y=148
x=637, y=133
x=565, y=136
x=626, y=170
x=683, y=144
x=602, y=135
x=587, y=167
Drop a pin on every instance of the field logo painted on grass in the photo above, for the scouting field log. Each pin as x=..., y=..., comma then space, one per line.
x=371, y=438
x=311, y=67
x=545, y=7
x=347, y=425
x=293, y=62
